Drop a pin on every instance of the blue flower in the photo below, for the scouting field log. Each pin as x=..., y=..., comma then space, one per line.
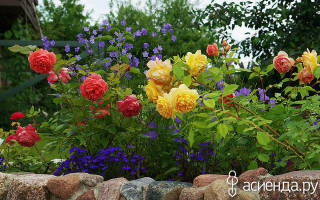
x=173, y=38
x=244, y=91
x=105, y=22
x=220, y=84
x=94, y=32
x=152, y=135
x=101, y=44
x=67, y=48
x=85, y=29
x=77, y=49
x=78, y=57
x=145, y=54
x=128, y=29
x=123, y=23
x=154, y=34
x=143, y=31
x=152, y=125
x=145, y=45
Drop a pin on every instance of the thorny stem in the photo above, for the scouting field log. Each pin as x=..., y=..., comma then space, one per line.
x=211, y=88
x=260, y=129
x=269, y=128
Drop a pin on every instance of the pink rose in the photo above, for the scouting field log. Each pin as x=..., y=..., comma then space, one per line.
x=130, y=106
x=282, y=63
x=52, y=78
x=94, y=87
x=305, y=76
x=212, y=49
x=64, y=75
x=27, y=136
x=42, y=61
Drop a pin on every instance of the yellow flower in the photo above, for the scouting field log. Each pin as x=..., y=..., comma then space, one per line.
x=153, y=91
x=310, y=60
x=164, y=106
x=197, y=62
x=159, y=71
x=183, y=99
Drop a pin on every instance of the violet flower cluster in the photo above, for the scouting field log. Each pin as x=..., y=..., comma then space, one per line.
x=109, y=162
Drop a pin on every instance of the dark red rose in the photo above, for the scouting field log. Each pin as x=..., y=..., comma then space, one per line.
x=27, y=136
x=130, y=106
x=10, y=138
x=17, y=115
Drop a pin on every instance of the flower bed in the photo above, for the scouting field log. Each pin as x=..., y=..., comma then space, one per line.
x=184, y=116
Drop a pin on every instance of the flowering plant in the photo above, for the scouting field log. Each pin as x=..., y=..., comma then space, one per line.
x=273, y=129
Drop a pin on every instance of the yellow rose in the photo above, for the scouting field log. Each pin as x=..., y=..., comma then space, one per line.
x=159, y=71
x=164, y=106
x=153, y=91
x=197, y=62
x=310, y=60
x=183, y=99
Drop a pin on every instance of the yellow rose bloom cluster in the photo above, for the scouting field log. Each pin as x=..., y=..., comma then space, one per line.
x=159, y=71
x=162, y=88
x=197, y=62
x=309, y=60
x=159, y=78
x=181, y=100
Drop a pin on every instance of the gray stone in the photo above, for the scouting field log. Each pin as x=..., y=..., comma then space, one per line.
x=110, y=190
x=135, y=190
x=166, y=190
x=29, y=187
x=5, y=181
x=299, y=177
x=90, y=180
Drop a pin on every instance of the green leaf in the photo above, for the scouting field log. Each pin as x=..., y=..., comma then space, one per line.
x=269, y=68
x=101, y=72
x=263, y=138
x=263, y=157
x=200, y=124
x=16, y=48
x=215, y=73
x=187, y=80
x=178, y=71
x=191, y=138
x=317, y=72
x=112, y=48
x=229, y=89
x=135, y=70
x=222, y=130
x=252, y=75
x=253, y=165
x=209, y=103
x=105, y=37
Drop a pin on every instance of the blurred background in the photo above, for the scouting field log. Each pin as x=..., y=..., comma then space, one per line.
x=259, y=28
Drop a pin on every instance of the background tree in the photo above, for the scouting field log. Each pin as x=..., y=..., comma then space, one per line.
x=63, y=21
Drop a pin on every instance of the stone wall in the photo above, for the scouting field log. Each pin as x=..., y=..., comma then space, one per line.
x=251, y=185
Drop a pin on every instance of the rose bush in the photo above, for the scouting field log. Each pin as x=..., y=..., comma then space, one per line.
x=193, y=111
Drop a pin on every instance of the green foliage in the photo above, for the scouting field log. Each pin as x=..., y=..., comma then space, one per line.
x=62, y=21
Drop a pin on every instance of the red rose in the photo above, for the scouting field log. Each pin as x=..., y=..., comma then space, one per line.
x=93, y=87
x=17, y=115
x=212, y=49
x=228, y=99
x=42, y=61
x=130, y=106
x=27, y=136
x=64, y=75
x=282, y=63
x=305, y=76
x=10, y=138
x=100, y=112
x=52, y=78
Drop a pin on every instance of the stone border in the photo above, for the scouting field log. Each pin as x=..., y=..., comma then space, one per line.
x=251, y=185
